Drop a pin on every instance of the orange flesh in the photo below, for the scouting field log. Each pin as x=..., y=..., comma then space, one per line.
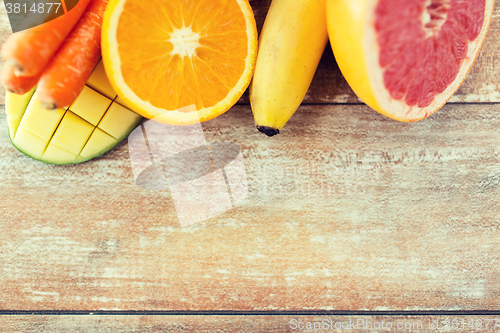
x=169, y=80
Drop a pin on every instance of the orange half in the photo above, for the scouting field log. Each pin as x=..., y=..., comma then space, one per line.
x=179, y=62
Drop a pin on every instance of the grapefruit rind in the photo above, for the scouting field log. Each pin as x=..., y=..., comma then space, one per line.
x=112, y=64
x=346, y=22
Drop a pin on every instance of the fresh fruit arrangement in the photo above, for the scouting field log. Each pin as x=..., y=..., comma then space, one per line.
x=181, y=63
x=404, y=59
x=175, y=62
x=91, y=126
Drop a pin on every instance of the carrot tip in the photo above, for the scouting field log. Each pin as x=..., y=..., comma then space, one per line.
x=19, y=70
x=49, y=105
x=7, y=87
x=14, y=90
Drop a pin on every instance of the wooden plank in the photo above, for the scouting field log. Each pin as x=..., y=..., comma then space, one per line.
x=346, y=210
x=281, y=324
x=329, y=86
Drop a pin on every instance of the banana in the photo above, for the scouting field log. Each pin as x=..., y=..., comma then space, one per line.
x=291, y=44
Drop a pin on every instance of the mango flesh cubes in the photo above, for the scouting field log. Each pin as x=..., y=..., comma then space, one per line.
x=92, y=125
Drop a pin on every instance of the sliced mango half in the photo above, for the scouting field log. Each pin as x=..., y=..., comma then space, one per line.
x=95, y=123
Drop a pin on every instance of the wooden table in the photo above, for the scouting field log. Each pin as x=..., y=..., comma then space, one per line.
x=349, y=216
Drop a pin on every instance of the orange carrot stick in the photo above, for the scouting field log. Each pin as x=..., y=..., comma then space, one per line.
x=66, y=74
x=30, y=51
x=17, y=84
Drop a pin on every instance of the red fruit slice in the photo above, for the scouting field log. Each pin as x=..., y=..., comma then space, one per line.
x=406, y=58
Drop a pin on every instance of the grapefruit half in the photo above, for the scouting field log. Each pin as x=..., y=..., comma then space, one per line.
x=405, y=59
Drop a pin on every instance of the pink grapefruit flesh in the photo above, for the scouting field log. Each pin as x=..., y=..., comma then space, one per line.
x=423, y=43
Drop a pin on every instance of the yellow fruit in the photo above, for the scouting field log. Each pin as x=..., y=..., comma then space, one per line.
x=405, y=59
x=179, y=62
x=92, y=125
x=292, y=42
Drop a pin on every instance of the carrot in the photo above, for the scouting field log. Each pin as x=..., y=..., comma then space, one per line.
x=17, y=84
x=65, y=76
x=30, y=51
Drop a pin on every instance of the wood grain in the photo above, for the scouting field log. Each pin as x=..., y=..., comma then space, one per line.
x=346, y=210
x=243, y=324
x=329, y=86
